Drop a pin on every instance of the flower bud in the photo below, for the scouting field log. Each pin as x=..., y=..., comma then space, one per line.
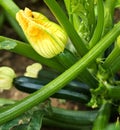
x=32, y=70
x=6, y=77
x=46, y=37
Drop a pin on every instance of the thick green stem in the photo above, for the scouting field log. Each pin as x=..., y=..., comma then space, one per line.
x=91, y=17
x=113, y=91
x=26, y=50
x=103, y=117
x=99, y=27
x=52, y=87
x=109, y=15
x=69, y=10
x=110, y=5
x=112, y=62
x=16, y=26
x=10, y=7
x=10, y=11
x=63, y=20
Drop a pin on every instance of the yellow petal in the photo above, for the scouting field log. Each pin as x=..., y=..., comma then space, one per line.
x=6, y=77
x=46, y=37
x=32, y=70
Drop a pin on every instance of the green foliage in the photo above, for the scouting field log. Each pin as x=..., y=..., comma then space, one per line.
x=78, y=12
x=30, y=120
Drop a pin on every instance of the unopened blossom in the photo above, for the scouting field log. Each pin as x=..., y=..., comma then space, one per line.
x=46, y=37
x=6, y=77
x=32, y=70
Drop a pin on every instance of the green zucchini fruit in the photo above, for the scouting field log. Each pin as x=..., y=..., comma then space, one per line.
x=47, y=75
x=103, y=116
x=70, y=119
x=73, y=117
x=30, y=85
x=64, y=126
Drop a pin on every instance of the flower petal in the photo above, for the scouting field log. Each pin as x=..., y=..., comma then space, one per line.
x=46, y=37
x=6, y=77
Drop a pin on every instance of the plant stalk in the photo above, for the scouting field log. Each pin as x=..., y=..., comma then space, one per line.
x=92, y=22
x=113, y=92
x=99, y=27
x=16, y=27
x=103, y=117
x=10, y=7
x=112, y=62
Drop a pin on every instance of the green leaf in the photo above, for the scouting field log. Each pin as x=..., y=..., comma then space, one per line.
x=30, y=120
x=78, y=14
x=23, y=119
x=36, y=121
x=20, y=127
x=7, y=45
x=4, y=101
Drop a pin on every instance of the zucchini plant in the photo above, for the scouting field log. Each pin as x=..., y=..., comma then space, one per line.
x=82, y=58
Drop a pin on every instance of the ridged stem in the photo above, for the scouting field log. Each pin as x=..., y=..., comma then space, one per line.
x=113, y=91
x=112, y=62
x=99, y=27
x=11, y=9
x=102, y=119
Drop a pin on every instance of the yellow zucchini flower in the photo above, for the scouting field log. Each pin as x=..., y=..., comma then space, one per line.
x=47, y=38
x=6, y=77
x=33, y=70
